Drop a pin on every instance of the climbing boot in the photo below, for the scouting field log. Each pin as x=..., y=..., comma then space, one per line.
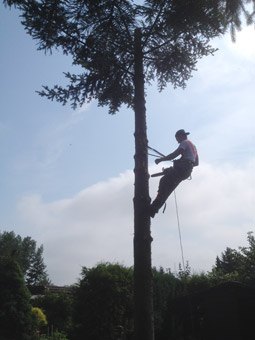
x=154, y=207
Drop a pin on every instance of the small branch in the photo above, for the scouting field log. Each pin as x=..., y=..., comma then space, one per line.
x=153, y=25
x=124, y=22
x=158, y=47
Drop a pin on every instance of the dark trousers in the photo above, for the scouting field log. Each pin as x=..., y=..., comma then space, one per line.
x=171, y=179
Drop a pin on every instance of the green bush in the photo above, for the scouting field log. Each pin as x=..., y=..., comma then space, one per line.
x=54, y=336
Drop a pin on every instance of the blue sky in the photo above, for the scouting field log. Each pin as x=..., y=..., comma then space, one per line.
x=66, y=176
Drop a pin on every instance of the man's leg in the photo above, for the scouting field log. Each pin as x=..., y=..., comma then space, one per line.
x=167, y=185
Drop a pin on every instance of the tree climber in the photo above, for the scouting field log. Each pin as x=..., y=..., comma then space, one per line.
x=177, y=173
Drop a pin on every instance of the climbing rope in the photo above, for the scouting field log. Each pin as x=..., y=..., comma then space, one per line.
x=179, y=230
x=185, y=274
x=156, y=151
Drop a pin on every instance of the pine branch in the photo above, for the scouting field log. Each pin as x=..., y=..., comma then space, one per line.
x=159, y=46
x=124, y=21
x=149, y=34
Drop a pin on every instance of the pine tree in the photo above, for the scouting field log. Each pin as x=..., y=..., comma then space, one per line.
x=37, y=274
x=29, y=257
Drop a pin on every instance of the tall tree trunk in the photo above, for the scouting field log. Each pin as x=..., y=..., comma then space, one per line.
x=143, y=290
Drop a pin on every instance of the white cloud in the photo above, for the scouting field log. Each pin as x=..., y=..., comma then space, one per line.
x=93, y=226
x=231, y=67
x=215, y=210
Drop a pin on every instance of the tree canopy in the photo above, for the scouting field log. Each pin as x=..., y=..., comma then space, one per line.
x=99, y=35
x=58, y=309
x=25, y=252
x=104, y=303
x=238, y=263
x=16, y=318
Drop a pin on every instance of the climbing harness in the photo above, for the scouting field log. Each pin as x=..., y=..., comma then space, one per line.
x=193, y=148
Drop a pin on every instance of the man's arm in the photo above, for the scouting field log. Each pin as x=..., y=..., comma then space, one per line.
x=171, y=156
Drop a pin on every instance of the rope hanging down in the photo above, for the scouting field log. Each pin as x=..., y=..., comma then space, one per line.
x=176, y=205
x=179, y=229
x=183, y=263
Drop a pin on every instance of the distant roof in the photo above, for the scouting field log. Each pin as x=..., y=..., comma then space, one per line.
x=41, y=290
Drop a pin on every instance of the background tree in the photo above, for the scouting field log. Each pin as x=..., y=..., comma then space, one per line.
x=36, y=273
x=165, y=287
x=229, y=261
x=26, y=253
x=17, y=320
x=58, y=309
x=104, y=303
x=121, y=46
x=239, y=263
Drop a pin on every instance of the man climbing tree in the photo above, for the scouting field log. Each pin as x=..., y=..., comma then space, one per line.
x=121, y=45
x=177, y=173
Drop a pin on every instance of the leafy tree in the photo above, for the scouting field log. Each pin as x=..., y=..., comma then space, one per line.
x=229, y=261
x=26, y=253
x=247, y=261
x=104, y=303
x=165, y=287
x=58, y=309
x=121, y=46
x=17, y=320
x=199, y=282
x=184, y=272
x=240, y=263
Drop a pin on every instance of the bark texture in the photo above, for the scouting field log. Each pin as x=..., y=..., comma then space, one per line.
x=143, y=289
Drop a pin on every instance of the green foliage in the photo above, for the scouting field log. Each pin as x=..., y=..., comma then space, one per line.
x=199, y=282
x=247, y=261
x=237, y=264
x=184, y=272
x=54, y=336
x=99, y=35
x=58, y=309
x=36, y=274
x=165, y=286
x=17, y=320
x=26, y=253
x=40, y=317
x=235, y=9
x=104, y=303
x=217, y=277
